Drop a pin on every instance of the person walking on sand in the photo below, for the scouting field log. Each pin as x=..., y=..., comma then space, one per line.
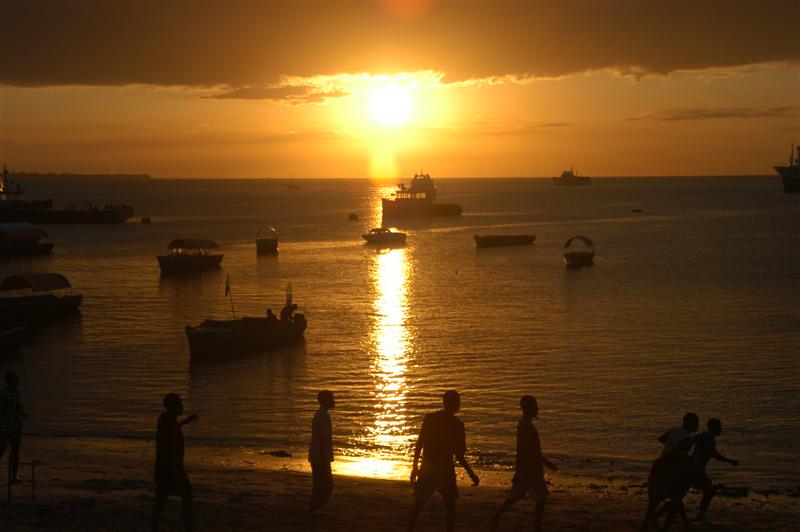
x=442, y=437
x=320, y=453
x=529, y=466
x=11, y=418
x=705, y=448
x=170, y=475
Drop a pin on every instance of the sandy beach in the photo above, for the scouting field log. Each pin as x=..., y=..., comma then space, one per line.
x=104, y=484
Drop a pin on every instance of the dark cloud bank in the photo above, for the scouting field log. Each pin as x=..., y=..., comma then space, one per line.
x=241, y=45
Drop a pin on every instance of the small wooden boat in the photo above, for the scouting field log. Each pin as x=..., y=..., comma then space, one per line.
x=36, y=295
x=489, y=241
x=267, y=240
x=353, y=217
x=23, y=239
x=381, y=236
x=576, y=258
x=190, y=255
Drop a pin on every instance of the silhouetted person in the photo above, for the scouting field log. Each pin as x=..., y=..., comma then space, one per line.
x=286, y=311
x=11, y=418
x=442, y=437
x=705, y=448
x=529, y=465
x=271, y=315
x=671, y=474
x=170, y=475
x=320, y=453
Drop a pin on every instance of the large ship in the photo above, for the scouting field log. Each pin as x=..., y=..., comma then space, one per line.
x=791, y=174
x=14, y=208
x=570, y=178
x=417, y=200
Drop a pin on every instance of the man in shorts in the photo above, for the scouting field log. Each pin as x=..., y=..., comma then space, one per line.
x=705, y=448
x=529, y=466
x=320, y=453
x=442, y=437
x=170, y=476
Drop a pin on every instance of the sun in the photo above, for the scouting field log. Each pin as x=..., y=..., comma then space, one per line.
x=390, y=105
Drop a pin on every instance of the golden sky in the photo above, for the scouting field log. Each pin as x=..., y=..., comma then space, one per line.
x=381, y=89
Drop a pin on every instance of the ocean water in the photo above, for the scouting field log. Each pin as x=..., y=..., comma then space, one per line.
x=692, y=305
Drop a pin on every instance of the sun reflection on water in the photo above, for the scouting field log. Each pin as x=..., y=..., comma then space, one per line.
x=391, y=341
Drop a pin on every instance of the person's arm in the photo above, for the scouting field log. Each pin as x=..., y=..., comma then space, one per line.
x=187, y=420
x=417, y=451
x=664, y=437
x=718, y=456
x=549, y=464
x=463, y=461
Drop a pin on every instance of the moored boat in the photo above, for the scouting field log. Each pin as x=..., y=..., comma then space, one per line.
x=417, y=201
x=790, y=175
x=36, y=295
x=23, y=239
x=382, y=236
x=267, y=240
x=190, y=255
x=489, y=241
x=576, y=258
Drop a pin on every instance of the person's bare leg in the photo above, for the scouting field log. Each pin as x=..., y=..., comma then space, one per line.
x=158, y=506
x=450, y=515
x=649, y=514
x=508, y=503
x=14, y=459
x=539, y=514
x=187, y=509
x=419, y=504
x=708, y=494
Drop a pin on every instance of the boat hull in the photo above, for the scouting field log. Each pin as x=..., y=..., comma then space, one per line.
x=266, y=246
x=38, y=307
x=25, y=249
x=578, y=182
x=217, y=340
x=491, y=241
x=578, y=259
x=418, y=209
x=790, y=175
x=188, y=263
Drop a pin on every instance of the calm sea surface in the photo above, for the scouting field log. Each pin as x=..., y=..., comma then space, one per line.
x=694, y=304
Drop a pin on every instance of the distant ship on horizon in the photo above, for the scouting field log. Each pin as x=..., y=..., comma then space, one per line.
x=570, y=178
x=417, y=201
x=791, y=174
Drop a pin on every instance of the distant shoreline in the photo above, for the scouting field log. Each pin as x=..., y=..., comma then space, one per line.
x=79, y=177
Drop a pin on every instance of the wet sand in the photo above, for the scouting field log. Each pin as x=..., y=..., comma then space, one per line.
x=106, y=484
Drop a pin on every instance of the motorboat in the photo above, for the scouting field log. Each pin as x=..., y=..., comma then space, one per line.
x=576, y=258
x=383, y=236
x=417, y=201
x=190, y=255
x=23, y=239
x=33, y=296
x=490, y=241
x=267, y=240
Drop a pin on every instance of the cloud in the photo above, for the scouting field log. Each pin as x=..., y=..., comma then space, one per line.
x=696, y=113
x=257, y=44
x=293, y=95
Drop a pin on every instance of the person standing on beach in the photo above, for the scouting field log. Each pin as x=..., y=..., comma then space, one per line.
x=11, y=417
x=529, y=466
x=442, y=437
x=320, y=453
x=170, y=475
x=705, y=448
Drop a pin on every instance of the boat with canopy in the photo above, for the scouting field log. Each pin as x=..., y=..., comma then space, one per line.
x=576, y=258
x=190, y=255
x=33, y=296
x=267, y=240
x=23, y=239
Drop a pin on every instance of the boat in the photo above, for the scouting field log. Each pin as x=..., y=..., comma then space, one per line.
x=576, y=258
x=353, y=217
x=33, y=296
x=23, y=239
x=223, y=339
x=791, y=174
x=490, y=241
x=190, y=255
x=570, y=178
x=384, y=237
x=417, y=200
x=15, y=208
x=267, y=240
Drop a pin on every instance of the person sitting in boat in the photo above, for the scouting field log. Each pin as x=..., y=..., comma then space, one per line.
x=287, y=311
x=271, y=315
